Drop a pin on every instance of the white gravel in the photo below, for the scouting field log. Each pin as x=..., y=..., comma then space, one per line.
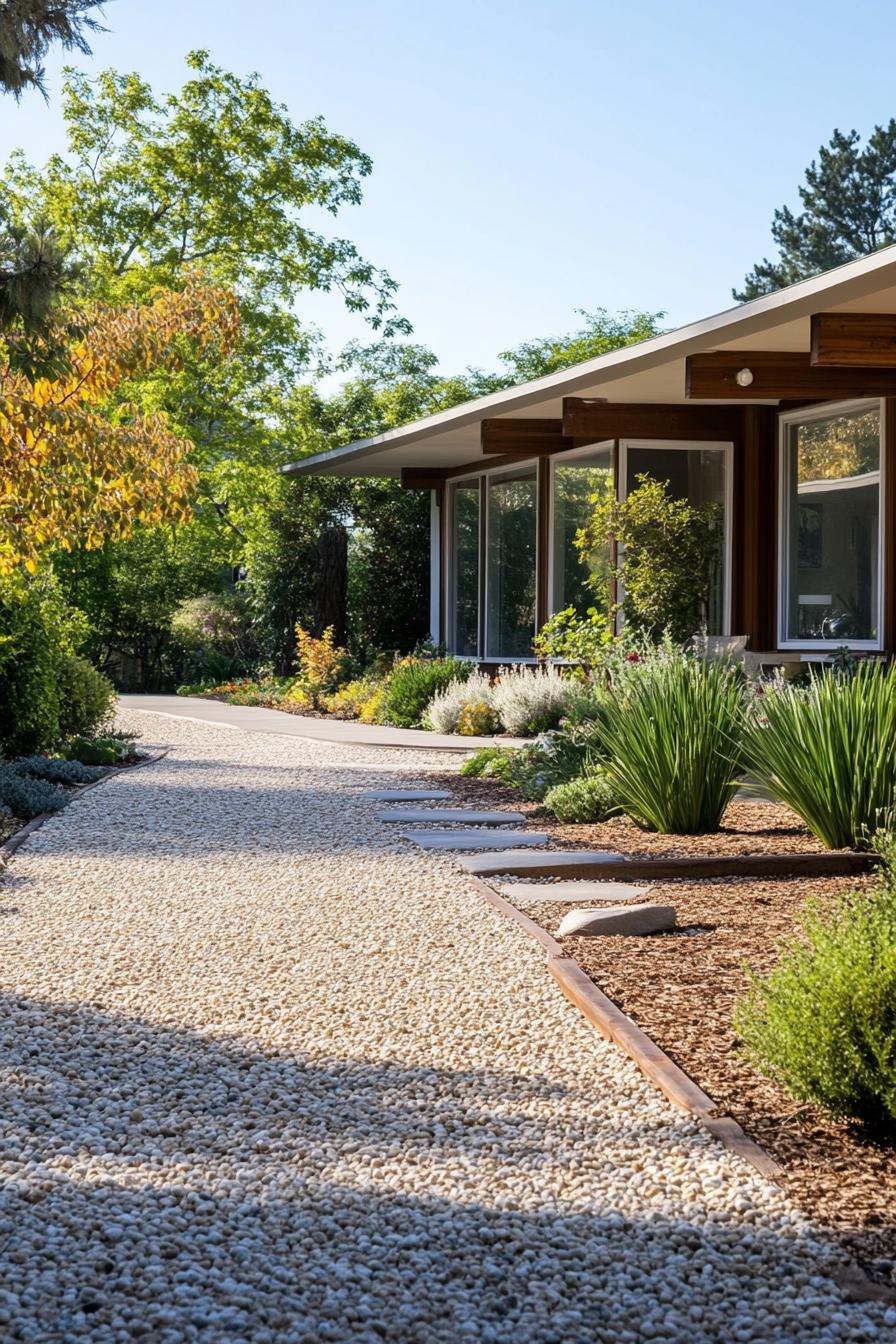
x=272, y=1074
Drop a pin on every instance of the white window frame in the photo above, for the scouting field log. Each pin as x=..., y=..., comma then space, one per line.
x=680, y=445
x=559, y=460
x=827, y=411
x=483, y=654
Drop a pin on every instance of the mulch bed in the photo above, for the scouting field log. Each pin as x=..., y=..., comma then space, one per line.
x=681, y=989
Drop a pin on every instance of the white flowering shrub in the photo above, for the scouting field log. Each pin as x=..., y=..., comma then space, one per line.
x=446, y=706
x=531, y=700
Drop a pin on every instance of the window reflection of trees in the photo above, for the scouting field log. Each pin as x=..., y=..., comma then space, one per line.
x=511, y=566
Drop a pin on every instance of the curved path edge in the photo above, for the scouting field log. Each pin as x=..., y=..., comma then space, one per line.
x=348, y=732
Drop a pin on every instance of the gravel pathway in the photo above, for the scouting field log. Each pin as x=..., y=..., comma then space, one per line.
x=272, y=1074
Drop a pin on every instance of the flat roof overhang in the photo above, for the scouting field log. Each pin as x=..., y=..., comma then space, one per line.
x=652, y=371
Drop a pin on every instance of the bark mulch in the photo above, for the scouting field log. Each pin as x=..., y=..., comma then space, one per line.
x=681, y=989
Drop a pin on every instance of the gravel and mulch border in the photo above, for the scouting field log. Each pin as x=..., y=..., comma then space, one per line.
x=679, y=990
x=16, y=838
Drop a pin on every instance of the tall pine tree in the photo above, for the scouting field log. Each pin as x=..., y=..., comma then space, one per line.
x=849, y=210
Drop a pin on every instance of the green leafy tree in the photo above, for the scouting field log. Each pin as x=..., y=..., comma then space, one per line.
x=849, y=210
x=669, y=552
x=600, y=333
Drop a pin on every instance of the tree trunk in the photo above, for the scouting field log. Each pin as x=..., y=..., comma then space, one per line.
x=332, y=583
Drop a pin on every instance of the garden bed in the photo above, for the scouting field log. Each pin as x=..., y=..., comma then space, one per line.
x=681, y=988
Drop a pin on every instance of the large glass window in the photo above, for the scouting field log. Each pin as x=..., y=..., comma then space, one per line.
x=578, y=581
x=698, y=475
x=832, y=501
x=465, y=567
x=510, y=574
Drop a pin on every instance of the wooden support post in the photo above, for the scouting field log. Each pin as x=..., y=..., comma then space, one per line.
x=542, y=542
x=888, y=578
x=755, y=550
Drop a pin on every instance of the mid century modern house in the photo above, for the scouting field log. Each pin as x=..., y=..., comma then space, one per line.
x=781, y=411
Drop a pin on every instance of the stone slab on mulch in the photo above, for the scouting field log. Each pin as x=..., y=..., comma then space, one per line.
x=614, y=893
x=473, y=839
x=557, y=861
x=617, y=920
x=450, y=814
x=404, y=795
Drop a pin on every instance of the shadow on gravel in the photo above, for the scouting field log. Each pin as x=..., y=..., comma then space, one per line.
x=181, y=1186
x=227, y=816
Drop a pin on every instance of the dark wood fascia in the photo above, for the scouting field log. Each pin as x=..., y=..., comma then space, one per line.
x=853, y=340
x=524, y=438
x=433, y=478
x=780, y=376
x=589, y=422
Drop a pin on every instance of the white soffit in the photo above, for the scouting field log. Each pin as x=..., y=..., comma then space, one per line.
x=651, y=371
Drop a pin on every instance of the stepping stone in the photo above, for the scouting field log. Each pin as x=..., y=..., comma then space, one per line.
x=618, y=919
x=574, y=891
x=474, y=839
x=404, y=795
x=558, y=863
x=453, y=814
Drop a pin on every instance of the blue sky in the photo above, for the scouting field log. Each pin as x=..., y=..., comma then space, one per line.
x=532, y=159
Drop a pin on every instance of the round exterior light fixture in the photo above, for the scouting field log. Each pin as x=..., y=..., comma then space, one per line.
x=743, y=377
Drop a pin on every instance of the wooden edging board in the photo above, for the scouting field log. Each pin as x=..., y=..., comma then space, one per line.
x=560, y=863
x=21, y=835
x=617, y=1027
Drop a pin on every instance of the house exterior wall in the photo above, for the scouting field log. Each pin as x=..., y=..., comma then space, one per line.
x=755, y=551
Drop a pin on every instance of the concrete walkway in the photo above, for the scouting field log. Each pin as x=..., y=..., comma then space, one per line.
x=347, y=731
x=273, y=1076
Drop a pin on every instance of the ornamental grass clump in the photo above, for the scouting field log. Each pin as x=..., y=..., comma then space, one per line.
x=828, y=752
x=822, y=1024
x=671, y=733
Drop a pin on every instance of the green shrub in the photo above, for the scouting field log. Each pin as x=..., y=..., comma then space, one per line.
x=671, y=734
x=36, y=632
x=27, y=798
x=71, y=773
x=588, y=798
x=823, y=1022
x=96, y=750
x=827, y=752
x=413, y=683
x=487, y=762
x=86, y=698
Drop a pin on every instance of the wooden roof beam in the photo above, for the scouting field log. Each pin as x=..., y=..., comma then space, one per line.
x=768, y=375
x=853, y=340
x=524, y=438
x=589, y=421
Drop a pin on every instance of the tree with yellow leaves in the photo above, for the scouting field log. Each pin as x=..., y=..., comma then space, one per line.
x=80, y=464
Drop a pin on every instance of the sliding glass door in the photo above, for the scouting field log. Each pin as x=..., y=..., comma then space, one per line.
x=579, y=581
x=464, y=568
x=700, y=474
x=511, y=532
